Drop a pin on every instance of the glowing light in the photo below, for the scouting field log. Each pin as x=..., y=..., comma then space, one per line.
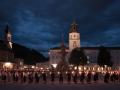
x=93, y=73
x=54, y=65
x=75, y=68
x=88, y=68
x=85, y=68
x=8, y=65
x=73, y=72
x=79, y=68
x=71, y=65
x=36, y=67
x=102, y=68
x=41, y=68
x=33, y=67
x=105, y=66
x=25, y=66
x=80, y=72
x=58, y=72
x=10, y=45
x=98, y=69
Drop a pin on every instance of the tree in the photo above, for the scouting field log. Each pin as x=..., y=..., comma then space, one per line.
x=104, y=57
x=78, y=57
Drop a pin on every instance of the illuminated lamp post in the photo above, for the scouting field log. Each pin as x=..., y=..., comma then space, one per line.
x=54, y=66
x=8, y=65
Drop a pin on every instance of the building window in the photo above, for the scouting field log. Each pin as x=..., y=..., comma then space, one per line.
x=74, y=44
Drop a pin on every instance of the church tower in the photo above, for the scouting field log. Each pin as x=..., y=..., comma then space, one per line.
x=8, y=37
x=74, y=37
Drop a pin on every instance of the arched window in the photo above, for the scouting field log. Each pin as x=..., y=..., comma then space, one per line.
x=74, y=44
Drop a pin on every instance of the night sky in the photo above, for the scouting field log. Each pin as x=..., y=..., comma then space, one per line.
x=38, y=24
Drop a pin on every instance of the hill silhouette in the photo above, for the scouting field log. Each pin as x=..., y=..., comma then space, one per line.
x=30, y=56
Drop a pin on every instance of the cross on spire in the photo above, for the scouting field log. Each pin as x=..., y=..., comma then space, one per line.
x=73, y=27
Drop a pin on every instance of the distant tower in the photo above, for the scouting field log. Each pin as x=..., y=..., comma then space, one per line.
x=74, y=37
x=8, y=37
x=63, y=49
x=62, y=65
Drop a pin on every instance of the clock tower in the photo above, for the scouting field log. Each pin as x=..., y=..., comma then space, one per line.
x=74, y=37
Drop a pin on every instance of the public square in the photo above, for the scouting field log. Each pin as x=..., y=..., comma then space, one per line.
x=59, y=44
x=93, y=86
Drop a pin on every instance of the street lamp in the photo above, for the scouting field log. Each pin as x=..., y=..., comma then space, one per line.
x=32, y=67
x=8, y=65
x=75, y=68
x=79, y=68
x=54, y=65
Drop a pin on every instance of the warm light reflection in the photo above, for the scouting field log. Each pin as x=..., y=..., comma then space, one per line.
x=54, y=65
x=75, y=68
x=8, y=65
x=33, y=67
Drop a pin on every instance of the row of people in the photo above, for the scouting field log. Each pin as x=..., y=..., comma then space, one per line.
x=37, y=76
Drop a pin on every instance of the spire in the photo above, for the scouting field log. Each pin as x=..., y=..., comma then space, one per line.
x=73, y=27
x=8, y=38
x=7, y=29
x=63, y=51
x=62, y=45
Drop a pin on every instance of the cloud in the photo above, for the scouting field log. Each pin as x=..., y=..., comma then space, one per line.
x=39, y=24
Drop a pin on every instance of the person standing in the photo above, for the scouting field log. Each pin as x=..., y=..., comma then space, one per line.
x=95, y=77
x=75, y=78
x=30, y=77
x=4, y=76
x=106, y=77
x=89, y=77
x=52, y=77
x=21, y=76
x=36, y=77
x=69, y=77
x=16, y=76
x=61, y=78
x=24, y=77
x=44, y=76
x=82, y=77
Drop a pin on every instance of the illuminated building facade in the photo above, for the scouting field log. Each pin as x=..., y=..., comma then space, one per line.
x=91, y=52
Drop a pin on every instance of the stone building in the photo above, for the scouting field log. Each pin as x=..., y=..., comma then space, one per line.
x=91, y=52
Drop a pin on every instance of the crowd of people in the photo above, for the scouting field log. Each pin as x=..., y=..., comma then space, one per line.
x=33, y=76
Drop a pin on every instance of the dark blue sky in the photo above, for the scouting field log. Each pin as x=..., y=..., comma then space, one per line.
x=38, y=24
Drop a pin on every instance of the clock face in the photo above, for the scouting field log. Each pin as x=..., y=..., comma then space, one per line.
x=74, y=36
